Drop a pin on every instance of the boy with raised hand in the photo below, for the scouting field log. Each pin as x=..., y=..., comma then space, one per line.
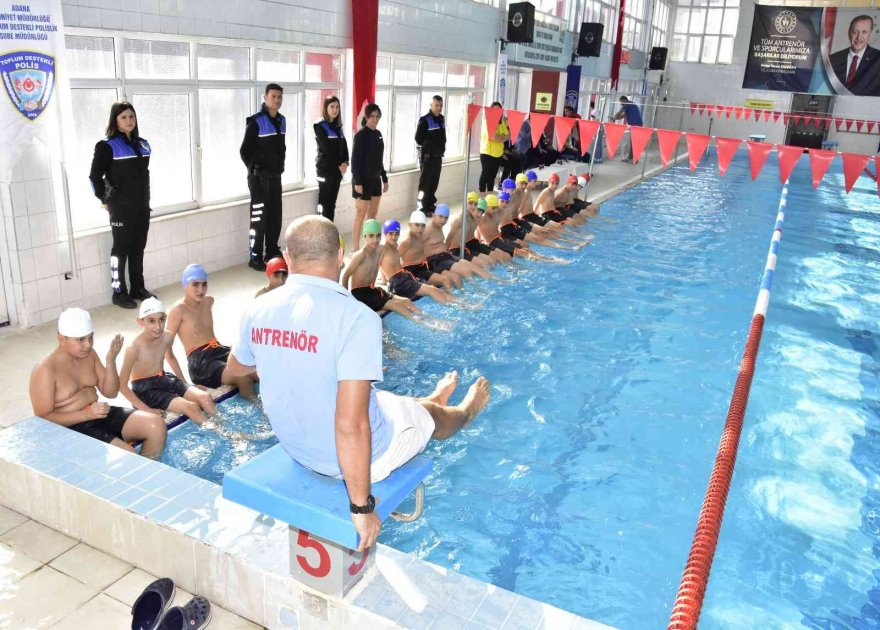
x=191, y=318
x=400, y=281
x=64, y=389
x=276, y=272
x=152, y=388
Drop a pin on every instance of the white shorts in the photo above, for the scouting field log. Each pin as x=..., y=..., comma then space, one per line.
x=412, y=426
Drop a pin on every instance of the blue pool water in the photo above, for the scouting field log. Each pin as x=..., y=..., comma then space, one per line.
x=581, y=483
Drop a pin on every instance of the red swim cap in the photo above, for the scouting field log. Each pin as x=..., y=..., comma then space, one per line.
x=276, y=264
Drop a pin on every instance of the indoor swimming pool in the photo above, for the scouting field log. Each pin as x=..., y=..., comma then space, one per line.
x=581, y=483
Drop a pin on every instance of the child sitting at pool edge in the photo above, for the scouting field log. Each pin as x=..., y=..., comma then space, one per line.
x=276, y=272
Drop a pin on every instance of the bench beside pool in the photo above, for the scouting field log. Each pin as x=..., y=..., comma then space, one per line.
x=315, y=507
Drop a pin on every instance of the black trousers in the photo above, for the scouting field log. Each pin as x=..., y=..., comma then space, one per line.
x=265, y=216
x=489, y=173
x=328, y=191
x=130, y=226
x=429, y=180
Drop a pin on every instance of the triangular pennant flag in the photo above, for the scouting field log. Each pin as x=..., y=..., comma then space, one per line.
x=819, y=162
x=871, y=126
x=809, y=120
x=848, y=122
x=587, y=131
x=701, y=107
x=613, y=135
x=473, y=111
x=538, y=123
x=563, y=127
x=767, y=114
x=788, y=158
x=514, y=122
x=710, y=109
x=726, y=149
x=859, y=125
x=693, y=107
x=493, y=117
x=639, y=136
x=668, y=140
x=838, y=123
x=697, y=144
x=758, y=152
x=747, y=113
x=776, y=116
x=728, y=110
x=785, y=119
x=796, y=119
x=738, y=112
x=853, y=165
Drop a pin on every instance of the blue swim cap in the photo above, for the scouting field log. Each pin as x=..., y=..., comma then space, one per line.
x=390, y=226
x=504, y=196
x=193, y=273
x=508, y=184
x=442, y=209
x=532, y=175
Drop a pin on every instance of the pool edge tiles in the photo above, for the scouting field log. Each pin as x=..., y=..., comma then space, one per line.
x=174, y=524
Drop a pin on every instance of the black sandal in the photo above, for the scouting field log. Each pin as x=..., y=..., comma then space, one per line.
x=194, y=616
x=151, y=605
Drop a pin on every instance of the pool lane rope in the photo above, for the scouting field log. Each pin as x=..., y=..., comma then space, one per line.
x=692, y=589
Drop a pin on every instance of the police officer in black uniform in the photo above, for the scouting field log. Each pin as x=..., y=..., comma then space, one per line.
x=120, y=177
x=262, y=151
x=431, y=139
x=331, y=162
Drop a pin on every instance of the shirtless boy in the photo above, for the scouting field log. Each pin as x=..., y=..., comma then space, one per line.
x=438, y=257
x=563, y=200
x=64, y=389
x=521, y=207
x=191, y=318
x=474, y=250
x=360, y=275
x=545, y=206
x=400, y=281
x=412, y=251
x=276, y=271
x=152, y=388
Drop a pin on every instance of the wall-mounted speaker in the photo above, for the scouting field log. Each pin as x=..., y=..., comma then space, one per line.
x=521, y=23
x=590, y=40
x=658, y=58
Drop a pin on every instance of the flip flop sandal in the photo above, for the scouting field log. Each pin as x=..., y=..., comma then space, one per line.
x=195, y=615
x=151, y=605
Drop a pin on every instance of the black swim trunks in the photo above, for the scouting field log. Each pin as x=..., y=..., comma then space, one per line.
x=533, y=217
x=105, y=429
x=441, y=262
x=374, y=297
x=456, y=251
x=404, y=284
x=523, y=224
x=580, y=204
x=159, y=390
x=372, y=187
x=513, y=232
x=499, y=242
x=554, y=215
x=476, y=247
x=419, y=270
x=568, y=211
x=206, y=364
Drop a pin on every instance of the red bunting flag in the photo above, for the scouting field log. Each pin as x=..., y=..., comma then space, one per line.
x=853, y=165
x=838, y=123
x=538, y=123
x=871, y=126
x=613, y=135
x=473, y=111
x=767, y=114
x=639, y=136
x=859, y=125
x=788, y=158
x=796, y=119
x=587, y=131
x=776, y=117
x=848, y=122
x=668, y=140
x=710, y=109
x=747, y=113
x=809, y=120
x=738, y=112
x=819, y=163
x=563, y=125
x=514, y=122
x=758, y=152
x=785, y=119
x=726, y=148
x=493, y=117
x=697, y=144
x=701, y=107
x=728, y=110
x=693, y=107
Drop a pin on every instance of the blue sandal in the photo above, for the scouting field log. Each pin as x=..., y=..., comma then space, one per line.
x=194, y=616
x=151, y=605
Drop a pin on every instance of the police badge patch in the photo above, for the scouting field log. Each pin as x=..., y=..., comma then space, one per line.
x=29, y=79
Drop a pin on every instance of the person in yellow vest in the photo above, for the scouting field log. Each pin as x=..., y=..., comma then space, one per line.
x=491, y=152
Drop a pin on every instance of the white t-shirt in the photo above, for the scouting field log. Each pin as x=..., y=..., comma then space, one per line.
x=303, y=338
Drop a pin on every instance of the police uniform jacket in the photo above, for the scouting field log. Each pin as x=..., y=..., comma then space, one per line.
x=120, y=173
x=263, y=148
x=431, y=135
x=332, y=148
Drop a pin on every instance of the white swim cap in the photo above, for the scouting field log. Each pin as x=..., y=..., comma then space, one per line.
x=582, y=182
x=418, y=217
x=150, y=306
x=75, y=323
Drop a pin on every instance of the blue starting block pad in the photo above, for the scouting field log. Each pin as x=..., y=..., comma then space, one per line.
x=274, y=484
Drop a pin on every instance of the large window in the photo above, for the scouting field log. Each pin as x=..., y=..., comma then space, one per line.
x=704, y=30
x=634, y=24
x=604, y=12
x=660, y=23
x=192, y=99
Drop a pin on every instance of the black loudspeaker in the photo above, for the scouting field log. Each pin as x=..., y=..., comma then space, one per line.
x=658, y=58
x=521, y=23
x=590, y=40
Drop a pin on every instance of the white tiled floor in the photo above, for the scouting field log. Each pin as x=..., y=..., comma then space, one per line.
x=48, y=580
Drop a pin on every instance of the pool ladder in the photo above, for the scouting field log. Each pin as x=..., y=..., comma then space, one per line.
x=409, y=517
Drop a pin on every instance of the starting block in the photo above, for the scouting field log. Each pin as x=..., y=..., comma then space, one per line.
x=322, y=536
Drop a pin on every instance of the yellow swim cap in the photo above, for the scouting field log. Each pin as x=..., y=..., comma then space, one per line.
x=472, y=196
x=492, y=201
x=522, y=177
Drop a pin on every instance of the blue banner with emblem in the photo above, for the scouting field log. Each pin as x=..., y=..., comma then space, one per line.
x=572, y=86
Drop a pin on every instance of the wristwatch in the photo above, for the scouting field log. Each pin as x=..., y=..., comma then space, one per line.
x=364, y=509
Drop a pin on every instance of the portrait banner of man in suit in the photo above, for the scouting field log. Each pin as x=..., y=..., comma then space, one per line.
x=851, y=50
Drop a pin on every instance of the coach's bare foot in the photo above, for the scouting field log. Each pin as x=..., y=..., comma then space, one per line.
x=477, y=398
x=445, y=387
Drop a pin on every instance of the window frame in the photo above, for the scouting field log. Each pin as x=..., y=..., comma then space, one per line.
x=692, y=44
